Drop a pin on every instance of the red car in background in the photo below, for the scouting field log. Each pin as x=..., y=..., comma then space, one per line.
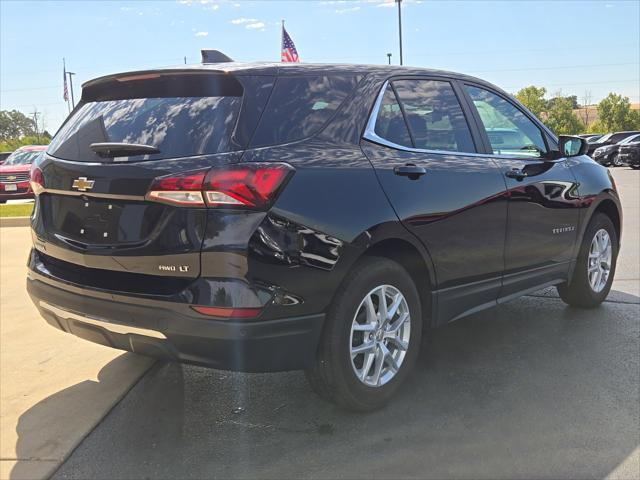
x=14, y=173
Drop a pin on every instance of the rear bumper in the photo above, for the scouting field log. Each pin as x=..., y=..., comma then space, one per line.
x=173, y=331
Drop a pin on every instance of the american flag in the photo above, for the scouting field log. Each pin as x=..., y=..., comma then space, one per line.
x=289, y=52
x=65, y=91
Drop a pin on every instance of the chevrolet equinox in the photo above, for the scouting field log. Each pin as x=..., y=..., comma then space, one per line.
x=265, y=217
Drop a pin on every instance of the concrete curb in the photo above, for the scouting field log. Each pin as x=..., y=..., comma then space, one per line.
x=15, y=221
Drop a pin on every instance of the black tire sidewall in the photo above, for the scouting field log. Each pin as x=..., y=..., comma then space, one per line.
x=373, y=273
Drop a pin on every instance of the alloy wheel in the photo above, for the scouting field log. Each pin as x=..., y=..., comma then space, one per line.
x=380, y=333
x=599, y=264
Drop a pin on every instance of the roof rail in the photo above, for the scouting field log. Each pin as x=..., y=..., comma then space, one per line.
x=214, y=56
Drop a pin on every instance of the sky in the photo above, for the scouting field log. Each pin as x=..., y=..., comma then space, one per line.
x=570, y=46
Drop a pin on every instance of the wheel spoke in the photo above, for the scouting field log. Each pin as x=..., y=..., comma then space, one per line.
x=372, y=317
x=382, y=305
x=394, y=327
x=363, y=327
x=364, y=347
x=366, y=366
x=377, y=370
x=399, y=344
x=397, y=301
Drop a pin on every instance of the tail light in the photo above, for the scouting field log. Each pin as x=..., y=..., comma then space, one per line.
x=245, y=185
x=36, y=180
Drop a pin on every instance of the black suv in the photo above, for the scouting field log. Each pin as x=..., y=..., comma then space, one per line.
x=629, y=153
x=265, y=217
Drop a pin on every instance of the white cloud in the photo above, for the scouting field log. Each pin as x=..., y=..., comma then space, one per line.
x=240, y=21
x=347, y=10
x=126, y=9
x=255, y=25
x=236, y=5
x=386, y=3
x=202, y=34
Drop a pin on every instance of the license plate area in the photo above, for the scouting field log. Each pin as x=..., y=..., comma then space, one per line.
x=11, y=187
x=97, y=221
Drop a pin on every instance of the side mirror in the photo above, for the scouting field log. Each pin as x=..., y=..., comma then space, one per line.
x=572, y=146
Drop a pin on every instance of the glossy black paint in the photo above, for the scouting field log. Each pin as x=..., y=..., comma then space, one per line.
x=470, y=232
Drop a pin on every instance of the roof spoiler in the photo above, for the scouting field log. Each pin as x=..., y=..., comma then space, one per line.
x=214, y=56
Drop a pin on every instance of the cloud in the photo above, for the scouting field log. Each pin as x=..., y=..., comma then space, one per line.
x=240, y=21
x=126, y=9
x=202, y=34
x=255, y=25
x=347, y=10
x=386, y=3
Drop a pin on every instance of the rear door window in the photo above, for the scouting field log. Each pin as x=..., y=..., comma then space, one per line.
x=434, y=115
x=390, y=124
x=300, y=106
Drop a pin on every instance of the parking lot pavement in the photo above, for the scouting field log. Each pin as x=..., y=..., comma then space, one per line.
x=53, y=388
x=529, y=389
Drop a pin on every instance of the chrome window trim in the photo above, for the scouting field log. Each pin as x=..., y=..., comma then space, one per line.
x=371, y=135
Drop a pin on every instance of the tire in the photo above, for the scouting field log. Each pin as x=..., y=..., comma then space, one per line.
x=334, y=375
x=635, y=167
x=580, y=292
x=616, y=161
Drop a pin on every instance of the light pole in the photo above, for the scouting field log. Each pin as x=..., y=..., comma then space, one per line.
x=73, y=103
x=389, y=57
x=399, y=2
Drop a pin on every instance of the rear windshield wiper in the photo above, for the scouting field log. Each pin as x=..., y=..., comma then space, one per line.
x=115, y=149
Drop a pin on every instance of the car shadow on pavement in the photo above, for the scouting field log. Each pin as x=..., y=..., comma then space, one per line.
x=529, y=389
x=52, y=428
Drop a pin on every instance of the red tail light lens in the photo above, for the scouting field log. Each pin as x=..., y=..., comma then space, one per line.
x=36, y=180
x=244, y=185
x=250, y=185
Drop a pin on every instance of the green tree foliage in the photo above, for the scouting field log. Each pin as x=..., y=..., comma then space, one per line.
x=615, y=114
x=572, y=98
x=532, y=97
x=560, y=117
x=14, y=124
x=14, y=143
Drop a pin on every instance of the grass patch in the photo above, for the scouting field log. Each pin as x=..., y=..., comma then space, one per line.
x=17, y=210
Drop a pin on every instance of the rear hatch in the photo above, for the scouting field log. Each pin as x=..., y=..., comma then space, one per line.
x=127, y=131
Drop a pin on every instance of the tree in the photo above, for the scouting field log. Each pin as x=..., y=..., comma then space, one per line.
x=615, y=114
x=532, y=97
x=14, y=124
x=560, y=117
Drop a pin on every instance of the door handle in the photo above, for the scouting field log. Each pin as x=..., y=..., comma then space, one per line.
x=410, y=170
x=517, y=174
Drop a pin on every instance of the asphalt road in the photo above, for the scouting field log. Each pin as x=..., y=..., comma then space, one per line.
x=528, y=389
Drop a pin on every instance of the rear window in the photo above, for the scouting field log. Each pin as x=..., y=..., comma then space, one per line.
x=178, y=127
x=300, y=106
x=182, y=115
x=23, y=157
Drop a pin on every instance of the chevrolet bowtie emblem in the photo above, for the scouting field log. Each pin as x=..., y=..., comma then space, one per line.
x=83, y=184
x=11, y=178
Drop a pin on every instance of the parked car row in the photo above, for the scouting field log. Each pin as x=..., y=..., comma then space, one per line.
x=14, y=173
x=615, y=149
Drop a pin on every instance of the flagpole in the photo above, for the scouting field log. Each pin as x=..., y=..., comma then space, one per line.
x=64, y=76
x=282, y=39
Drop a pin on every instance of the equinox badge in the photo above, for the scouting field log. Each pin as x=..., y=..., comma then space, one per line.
x=82, y=184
